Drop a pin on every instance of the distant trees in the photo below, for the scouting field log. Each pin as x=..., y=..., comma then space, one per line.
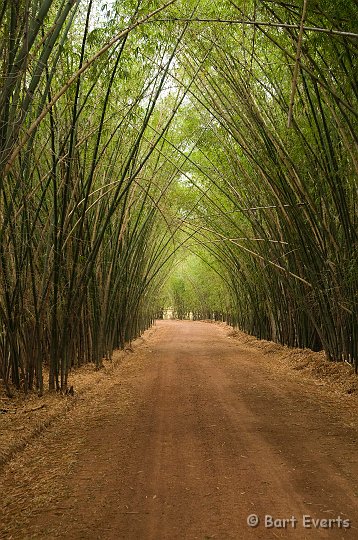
x=195, y=289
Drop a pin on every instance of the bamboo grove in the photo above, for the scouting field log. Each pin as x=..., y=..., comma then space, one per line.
x=134, y=133
x=284, y=212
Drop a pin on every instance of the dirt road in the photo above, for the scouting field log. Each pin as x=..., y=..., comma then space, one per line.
x=195, y=433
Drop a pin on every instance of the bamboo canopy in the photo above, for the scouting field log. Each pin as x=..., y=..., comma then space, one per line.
x=134, y=141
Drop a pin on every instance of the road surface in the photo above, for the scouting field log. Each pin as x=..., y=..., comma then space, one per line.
x=191, y=435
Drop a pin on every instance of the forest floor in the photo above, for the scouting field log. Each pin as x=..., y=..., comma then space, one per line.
x=183, y=437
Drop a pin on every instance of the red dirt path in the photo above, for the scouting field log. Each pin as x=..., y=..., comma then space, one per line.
x=193, y=433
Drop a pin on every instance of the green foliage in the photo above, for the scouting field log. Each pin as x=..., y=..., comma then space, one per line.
x=150, y=163
x=194, y=288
